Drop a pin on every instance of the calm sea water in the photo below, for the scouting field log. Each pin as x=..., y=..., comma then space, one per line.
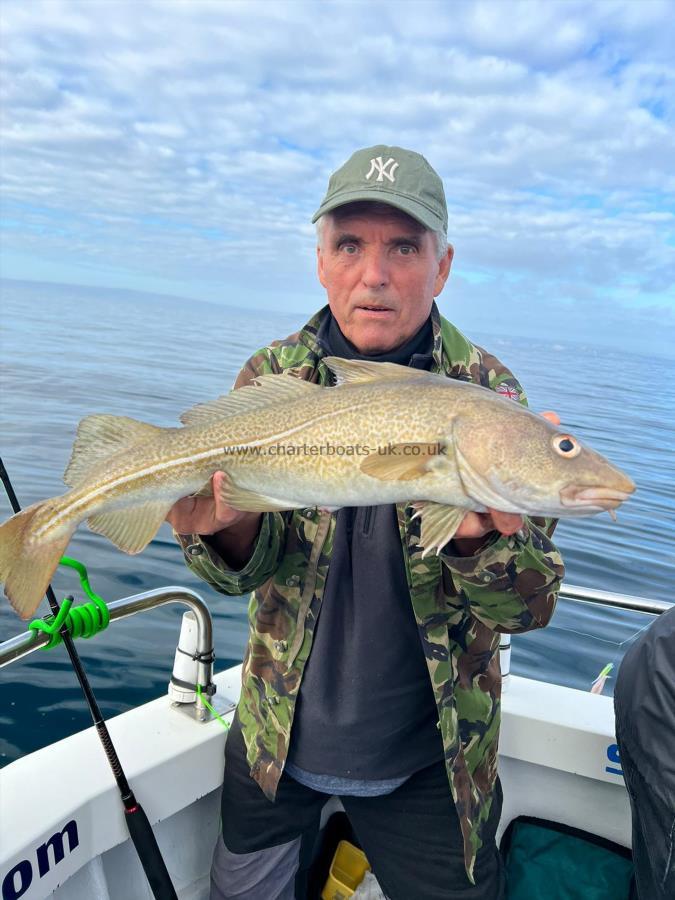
x=69, y=352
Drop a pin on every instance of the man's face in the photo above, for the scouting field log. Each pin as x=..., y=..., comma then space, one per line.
x=381, y=273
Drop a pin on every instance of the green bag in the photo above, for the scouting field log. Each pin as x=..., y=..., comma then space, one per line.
x=548, y=861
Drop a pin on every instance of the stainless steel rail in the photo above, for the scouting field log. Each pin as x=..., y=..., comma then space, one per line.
x=23, y=644
x=587, y=595
x=20, y=646
x=610, y=598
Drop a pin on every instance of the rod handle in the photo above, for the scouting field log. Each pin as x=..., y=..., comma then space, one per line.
x=146, y=844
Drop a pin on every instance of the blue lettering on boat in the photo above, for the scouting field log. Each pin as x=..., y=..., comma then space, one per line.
x=20, y=877
x=613, y=757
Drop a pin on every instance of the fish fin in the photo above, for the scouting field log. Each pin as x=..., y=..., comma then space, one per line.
x=99, y=437
x=234, y=495
x=266, y=390
x=353, y=371
x=131, y=529
x=205, y=491
x=402, y=462
x=26, y=566
x=439, y=524
x=250, y=501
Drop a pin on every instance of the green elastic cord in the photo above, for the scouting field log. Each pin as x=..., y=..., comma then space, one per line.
x=226, y=725
x=82, y=621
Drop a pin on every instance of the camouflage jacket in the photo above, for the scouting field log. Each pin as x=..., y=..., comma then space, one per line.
x=461, y=604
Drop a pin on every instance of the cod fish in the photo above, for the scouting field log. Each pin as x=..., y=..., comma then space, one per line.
x=383, y=434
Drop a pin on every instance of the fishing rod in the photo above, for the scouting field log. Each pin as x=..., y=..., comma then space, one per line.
x=139, y=827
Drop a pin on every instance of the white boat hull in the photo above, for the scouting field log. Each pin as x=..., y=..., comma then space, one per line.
x=558, y=761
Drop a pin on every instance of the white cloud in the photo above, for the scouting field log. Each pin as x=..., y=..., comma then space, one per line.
x=192, y=140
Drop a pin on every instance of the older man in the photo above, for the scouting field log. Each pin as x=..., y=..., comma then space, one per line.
x=371, y=673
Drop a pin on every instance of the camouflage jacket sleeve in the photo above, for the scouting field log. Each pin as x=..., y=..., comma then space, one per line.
x=200, y=556
x=204, y=561
x=511, y=585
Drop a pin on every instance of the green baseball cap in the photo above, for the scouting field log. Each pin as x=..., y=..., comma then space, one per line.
x=401, y=178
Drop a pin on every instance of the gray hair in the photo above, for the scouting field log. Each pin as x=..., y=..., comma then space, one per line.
x=440, y=237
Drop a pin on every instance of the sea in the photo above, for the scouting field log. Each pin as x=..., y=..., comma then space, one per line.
x=66, y=352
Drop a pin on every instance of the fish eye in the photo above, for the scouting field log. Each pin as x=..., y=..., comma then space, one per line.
x=566, y=445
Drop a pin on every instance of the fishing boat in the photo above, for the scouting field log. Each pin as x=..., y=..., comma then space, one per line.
x=65, y=835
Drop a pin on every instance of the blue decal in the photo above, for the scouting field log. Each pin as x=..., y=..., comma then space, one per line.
x=17, y=881
x=613, y=757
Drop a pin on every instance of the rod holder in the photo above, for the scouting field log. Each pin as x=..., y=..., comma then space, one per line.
x=185, y=674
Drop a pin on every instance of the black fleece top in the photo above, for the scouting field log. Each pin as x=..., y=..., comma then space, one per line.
x=366, y=709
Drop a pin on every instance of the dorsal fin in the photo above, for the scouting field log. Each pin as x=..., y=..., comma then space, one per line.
x=266, y=390
x=353, y=371
x=98, y=437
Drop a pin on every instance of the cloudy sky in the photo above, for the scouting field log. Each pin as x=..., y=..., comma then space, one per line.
x=181, y=147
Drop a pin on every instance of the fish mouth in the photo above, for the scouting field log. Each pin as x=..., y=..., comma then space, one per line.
x=597, y=497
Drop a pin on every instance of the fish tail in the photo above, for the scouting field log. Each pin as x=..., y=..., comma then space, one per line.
x=27, y=565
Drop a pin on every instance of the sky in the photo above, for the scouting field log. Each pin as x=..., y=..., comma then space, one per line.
x=181, y=148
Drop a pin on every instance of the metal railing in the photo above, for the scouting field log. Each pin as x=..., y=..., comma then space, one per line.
x=588, y=595
x=23, y=644
x=610, y=598
x=20, y=646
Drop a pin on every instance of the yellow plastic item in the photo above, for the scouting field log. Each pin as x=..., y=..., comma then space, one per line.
x=346, y=872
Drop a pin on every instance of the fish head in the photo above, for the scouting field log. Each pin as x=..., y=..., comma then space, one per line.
x=511, y=459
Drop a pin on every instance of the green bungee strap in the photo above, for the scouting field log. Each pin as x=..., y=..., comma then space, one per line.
x=206, y=703
x=82, y=621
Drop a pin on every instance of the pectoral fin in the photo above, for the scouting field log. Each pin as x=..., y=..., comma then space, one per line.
x=131, y=529
x=250, y=501
x=439, y=524
x=401, y=462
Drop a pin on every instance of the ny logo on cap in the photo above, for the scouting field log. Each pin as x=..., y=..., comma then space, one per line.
x=376, y=165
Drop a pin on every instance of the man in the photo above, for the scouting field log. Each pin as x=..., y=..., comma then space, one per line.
x=644, y=703
x=371, y=673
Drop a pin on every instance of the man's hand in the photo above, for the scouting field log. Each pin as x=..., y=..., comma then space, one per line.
x=204, y=515
x=233, y=532
x=475, y=526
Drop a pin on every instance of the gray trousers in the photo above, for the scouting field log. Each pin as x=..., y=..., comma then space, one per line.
x=411, y=836
x=261, y=875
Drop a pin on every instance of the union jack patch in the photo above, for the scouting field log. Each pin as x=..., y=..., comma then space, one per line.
x=507, y=391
